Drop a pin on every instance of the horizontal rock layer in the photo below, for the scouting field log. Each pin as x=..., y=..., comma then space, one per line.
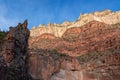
x=58, y=30
x=93, y=36
x=89, y=52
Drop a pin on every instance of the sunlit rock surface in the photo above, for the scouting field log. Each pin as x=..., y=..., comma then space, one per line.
x=89, y=52
x=105, y=16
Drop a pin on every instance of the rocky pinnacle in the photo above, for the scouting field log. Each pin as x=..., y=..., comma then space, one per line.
x=13, y=59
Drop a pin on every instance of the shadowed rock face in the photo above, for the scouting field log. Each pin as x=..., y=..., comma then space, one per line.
x=12, y=60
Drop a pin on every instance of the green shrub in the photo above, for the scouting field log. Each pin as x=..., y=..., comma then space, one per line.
x=97, y=55
x=54, y=51
x=117, y=24
x=71, y=37
x=2, y=35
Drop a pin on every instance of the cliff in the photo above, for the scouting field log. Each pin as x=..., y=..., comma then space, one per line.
x=88, y=52
x=93, y=36
x=106, y=16
x=14, y=52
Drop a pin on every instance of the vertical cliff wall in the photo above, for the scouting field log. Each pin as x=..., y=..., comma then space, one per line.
x=13, y=59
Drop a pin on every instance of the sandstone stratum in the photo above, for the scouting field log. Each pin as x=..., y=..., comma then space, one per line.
x=58, y=30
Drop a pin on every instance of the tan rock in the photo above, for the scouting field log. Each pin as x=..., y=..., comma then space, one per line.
x=33, y=28
x=40, y=26
x=48, y=25
x=105, y=16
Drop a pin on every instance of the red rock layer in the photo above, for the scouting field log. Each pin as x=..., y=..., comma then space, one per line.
x=94, y=36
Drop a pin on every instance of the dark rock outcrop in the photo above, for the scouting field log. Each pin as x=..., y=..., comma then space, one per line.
x=13, y=59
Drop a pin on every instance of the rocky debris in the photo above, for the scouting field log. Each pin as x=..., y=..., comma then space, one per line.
x=58, y=30
x=13, y=59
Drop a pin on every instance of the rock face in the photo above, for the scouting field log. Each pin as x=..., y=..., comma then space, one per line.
x=89, y=52
x=105, y=16
x=93, y=36
x=45, y=36
x=58, y=30
x=13, y=59
x=46, y=65
x=43, y=64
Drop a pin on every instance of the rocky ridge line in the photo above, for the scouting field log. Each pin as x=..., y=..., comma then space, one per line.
x=58, y=30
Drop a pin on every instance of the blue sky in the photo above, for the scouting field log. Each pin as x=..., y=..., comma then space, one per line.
x=53, y=11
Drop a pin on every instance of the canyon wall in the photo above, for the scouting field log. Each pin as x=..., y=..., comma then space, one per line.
x=106, y=16
x=93, y=36
x=47, y=65
x=89, y=52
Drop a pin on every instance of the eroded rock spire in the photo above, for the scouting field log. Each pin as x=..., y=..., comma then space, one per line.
x=12, y=62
